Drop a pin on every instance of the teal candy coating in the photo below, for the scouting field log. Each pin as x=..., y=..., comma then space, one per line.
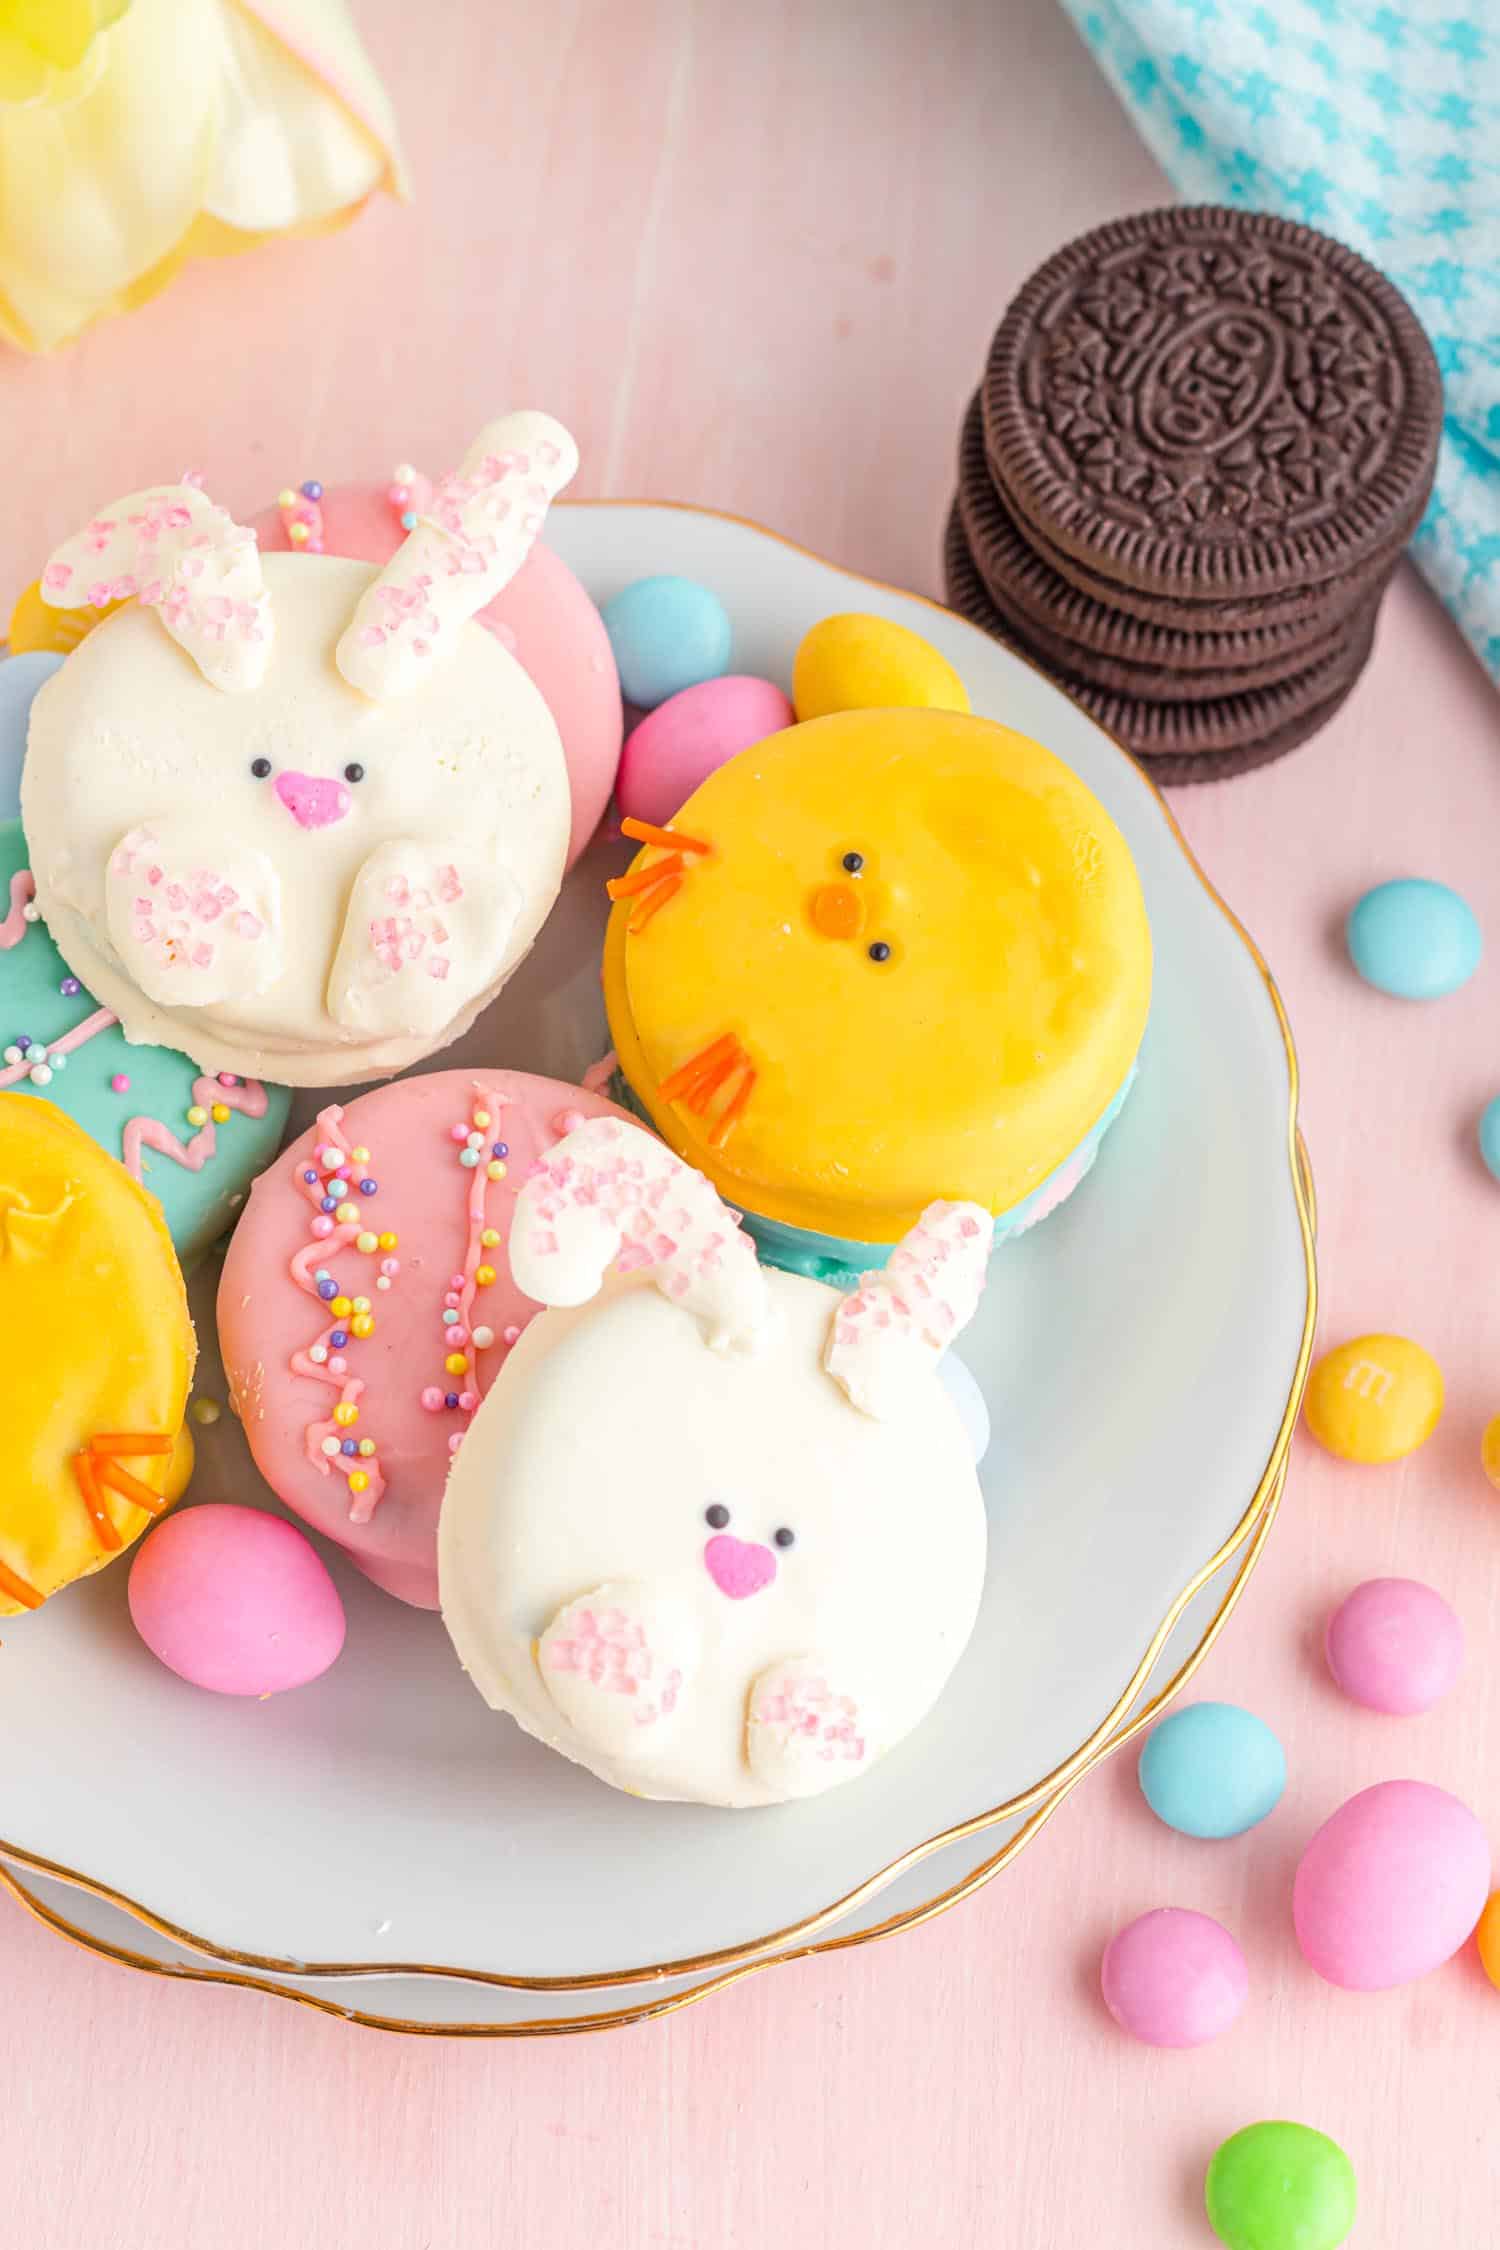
x=1414, y=939
x=667, y=634
x=198, y=1206
x=840, y=1261
x=1212, y=1770
x=20, y=679
x=1489, y=1136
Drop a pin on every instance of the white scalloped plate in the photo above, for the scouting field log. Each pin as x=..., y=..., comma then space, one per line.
x=1142, y=1353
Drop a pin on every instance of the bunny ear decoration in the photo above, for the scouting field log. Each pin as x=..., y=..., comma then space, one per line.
x=470, y=540
x=612, y=1194
x=179, y=554
x=896, y=1326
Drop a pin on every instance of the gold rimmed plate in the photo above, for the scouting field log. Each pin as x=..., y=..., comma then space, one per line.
x=1142, y=1354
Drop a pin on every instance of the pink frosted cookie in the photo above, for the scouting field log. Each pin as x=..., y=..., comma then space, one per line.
x=543, y=617
x=367, y=1302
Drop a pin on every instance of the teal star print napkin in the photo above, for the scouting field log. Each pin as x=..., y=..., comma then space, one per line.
x=1381, y=125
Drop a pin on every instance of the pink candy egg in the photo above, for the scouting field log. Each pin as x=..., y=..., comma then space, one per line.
x=690, y=736
x=235, y=1601
x=1174, y=1978
x=1395, y=1645
x=1391, y=1886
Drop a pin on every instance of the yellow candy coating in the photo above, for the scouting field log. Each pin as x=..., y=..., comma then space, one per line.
x=857, y=663
x=36, y=625
x=968, y=1054
x=455, y=1363
x=490, y=1238
x=95, y=1340
x=345, y=1414
x=340, y=1308
x=1374, y=1399
x=1488, y=1935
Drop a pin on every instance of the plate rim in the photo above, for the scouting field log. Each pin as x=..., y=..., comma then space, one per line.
x=816, y=1933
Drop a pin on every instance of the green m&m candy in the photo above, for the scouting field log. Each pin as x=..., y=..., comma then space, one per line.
x=1280, y=2187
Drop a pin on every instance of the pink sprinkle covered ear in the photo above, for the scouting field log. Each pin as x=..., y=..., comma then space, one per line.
x=470, y=540
x=896, y=1326
x=179, y=554
x=611, y=1193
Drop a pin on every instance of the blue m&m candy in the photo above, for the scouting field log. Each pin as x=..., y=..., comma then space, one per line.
x=1414, y=939
x=1212, y=1770
x=667, y=634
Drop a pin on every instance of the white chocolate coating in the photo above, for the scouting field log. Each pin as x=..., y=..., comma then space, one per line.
x=587, y=1594
x=293, y=927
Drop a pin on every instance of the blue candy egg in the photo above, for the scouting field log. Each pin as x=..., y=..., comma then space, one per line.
x=667, y=634
x=1414, y=939
x=21, y=678
x=1212, y=1770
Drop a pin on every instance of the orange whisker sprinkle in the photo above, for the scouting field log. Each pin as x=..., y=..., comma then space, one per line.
x=706, y=1088
x=625, y=886
x=732, y=1115
x=654, y=901
x=88, y=1485
x=134, y=1442
x=19, y=1590
x=643, y=833
x=131, y=1488
x=683, y=1079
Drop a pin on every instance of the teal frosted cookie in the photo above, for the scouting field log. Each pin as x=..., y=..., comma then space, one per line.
x=195, y=1141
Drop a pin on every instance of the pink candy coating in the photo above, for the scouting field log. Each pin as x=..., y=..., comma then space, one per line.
x=1174, y=1978
x=1395, y=1645
x=235, y=1601
x=692, y=734
x=1390, y=1886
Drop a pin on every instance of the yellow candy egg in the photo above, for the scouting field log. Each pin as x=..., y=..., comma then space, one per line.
x=1375, y=1398
x=858, y=663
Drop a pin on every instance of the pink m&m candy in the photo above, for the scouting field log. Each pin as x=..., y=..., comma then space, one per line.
x=235, y=1601
x=690, y=736
x=1391, y=1886
x=1174, y=1978
x=1395, y=1645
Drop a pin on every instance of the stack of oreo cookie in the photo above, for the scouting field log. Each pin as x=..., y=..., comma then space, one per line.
x=1203, y=438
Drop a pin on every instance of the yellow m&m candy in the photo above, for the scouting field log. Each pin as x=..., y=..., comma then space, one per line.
x=1375, y=1398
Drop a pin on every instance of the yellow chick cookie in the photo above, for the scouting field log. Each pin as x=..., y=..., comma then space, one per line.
x=881, y=958
x=96, y=1356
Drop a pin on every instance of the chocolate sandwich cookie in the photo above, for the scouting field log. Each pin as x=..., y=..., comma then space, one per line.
x=1212, y=406
x=1103, y=645
x=1180, y=741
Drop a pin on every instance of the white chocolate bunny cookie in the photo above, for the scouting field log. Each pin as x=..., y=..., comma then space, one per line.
x=293, y=815
x=715, y=1533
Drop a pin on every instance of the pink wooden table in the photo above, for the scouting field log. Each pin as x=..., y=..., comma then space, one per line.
x=753, y=256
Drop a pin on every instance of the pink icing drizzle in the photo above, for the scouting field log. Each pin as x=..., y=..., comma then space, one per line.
x=15, y=925
x=350, y=1389
x=248, y=1097
x=99, y=1021
x=474, y=1251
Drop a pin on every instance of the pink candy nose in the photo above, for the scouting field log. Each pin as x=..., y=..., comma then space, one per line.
x=737, y=1567
x=312, y=803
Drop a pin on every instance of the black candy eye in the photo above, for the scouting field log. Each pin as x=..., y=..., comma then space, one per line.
x=853, y=862
x=784, y=1537
x=880, y=951
x=354, y=773
x=717, y=1515
x=260, y=767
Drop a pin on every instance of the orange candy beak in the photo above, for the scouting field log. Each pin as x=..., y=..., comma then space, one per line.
x=837, y=910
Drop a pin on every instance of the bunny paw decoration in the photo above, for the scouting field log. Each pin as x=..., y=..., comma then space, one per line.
x=295, y=816
x=715, y=1533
